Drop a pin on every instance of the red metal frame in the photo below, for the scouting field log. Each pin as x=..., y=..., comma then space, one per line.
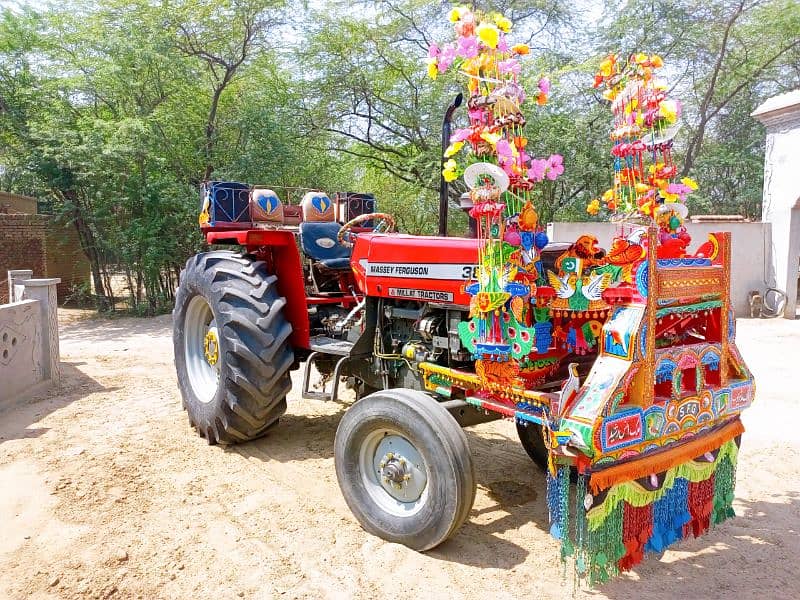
x=278, y=248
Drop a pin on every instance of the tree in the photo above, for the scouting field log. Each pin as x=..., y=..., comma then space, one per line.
x=725, y=57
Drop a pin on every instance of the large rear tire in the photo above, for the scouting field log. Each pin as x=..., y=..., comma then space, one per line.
x=232, y=354
x=404, y=468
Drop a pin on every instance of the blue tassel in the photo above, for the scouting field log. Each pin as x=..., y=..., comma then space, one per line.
x=670, y=514
x=554, y=505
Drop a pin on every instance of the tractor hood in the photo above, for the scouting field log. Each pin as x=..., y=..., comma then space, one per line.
x=426, y=268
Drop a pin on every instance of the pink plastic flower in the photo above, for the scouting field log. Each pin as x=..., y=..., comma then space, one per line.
x=680, y=189
x=504, y=150
x=459, y=135
x=446, y=58
x=502, y=45
x=544, y=85
x=477, y=115
x=467, y=47
x=555, y=166
x=433, y=50
x=508, y=66
x=505, y=155
x=537, y=169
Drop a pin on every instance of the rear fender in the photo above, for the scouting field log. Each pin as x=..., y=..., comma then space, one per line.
x=279, y=250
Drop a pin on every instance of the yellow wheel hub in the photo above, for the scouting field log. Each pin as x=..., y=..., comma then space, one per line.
x=211, y=347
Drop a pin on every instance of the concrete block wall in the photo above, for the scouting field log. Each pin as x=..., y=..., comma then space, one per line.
x=29, y=351
x=22, y=245
x=750, y=258
x=20, y=348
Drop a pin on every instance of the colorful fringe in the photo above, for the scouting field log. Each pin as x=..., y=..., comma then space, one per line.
x=614, y=529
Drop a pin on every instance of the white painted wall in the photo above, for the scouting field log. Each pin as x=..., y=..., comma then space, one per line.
x=781, y=202
x=20, y=348
x=29, y=352
x=750, y=256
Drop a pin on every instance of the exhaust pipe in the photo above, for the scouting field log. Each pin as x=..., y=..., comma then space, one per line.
x=448, y=115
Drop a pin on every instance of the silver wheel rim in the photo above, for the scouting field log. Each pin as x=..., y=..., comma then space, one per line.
x=393, y=472
x=199, y=325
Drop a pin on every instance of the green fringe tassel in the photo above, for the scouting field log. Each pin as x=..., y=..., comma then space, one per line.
x=724, y=482
x=594, y=538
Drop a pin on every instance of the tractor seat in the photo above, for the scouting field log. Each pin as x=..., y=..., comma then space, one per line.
x=318, y=241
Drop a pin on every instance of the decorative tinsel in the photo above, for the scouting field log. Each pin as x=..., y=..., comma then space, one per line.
x=724, y=482
x=701, y=504
x=613, y=530
x=669, y=517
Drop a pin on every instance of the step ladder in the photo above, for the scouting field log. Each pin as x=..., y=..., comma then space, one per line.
x=326, y=346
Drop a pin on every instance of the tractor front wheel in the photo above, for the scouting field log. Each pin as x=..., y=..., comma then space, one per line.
x=232, y=354
x=532, y=438
x=404, y=468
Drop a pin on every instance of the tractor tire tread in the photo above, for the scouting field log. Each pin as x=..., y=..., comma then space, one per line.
x=254, y=340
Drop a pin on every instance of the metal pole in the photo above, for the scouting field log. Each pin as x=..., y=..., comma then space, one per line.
x=448, y=115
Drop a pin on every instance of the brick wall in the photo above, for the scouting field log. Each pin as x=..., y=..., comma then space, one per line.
x=14, y=203
x=65, y=258
x=22, y=246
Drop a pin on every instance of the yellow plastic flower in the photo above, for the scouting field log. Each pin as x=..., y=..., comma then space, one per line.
x=471, y=66
x=689, y=182
x=656, y=61
x=640, y=58
x=453, y=149
x=521, y=49
x=488, y=34
x=669, y=110
x=433, y=69
x=593, y=207
x=607, y=67
x=608, y=196
x=456, y=14
x=669, y=197
x=502, y=22
x=487, y=62
x=492, y=138
x=450, y=170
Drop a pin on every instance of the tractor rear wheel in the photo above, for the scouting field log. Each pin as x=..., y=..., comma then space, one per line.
x=532, y=438
x=232, y=354
x=404, y=468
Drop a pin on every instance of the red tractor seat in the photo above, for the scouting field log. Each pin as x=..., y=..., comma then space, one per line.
x=319, y=242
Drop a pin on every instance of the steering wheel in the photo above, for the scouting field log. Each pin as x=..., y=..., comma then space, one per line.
x=386, y=223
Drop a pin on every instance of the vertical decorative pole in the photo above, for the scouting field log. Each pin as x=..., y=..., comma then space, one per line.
x=726, y=307
x=653, y=292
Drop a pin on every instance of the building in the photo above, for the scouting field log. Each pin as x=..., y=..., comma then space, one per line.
x=781, y=203
x=29, y=240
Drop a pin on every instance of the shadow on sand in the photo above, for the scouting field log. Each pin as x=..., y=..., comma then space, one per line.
x=18, y=420
x=763, y=532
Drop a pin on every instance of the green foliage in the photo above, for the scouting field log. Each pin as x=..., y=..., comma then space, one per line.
x=115, y=111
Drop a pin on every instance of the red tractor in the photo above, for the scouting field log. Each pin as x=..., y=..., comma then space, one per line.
x=329, y=284
x=356, y=302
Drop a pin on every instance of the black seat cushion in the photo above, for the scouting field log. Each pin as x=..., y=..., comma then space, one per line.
x=319, y=242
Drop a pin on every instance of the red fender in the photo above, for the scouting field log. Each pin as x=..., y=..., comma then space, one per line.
x=278, y=248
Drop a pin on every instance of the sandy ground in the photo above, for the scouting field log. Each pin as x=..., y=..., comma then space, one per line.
x=106, y=492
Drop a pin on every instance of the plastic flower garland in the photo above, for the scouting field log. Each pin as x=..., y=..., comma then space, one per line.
x=482, y=52
x=645, y=122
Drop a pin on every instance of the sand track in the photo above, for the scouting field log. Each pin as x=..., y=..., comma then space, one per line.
x=106, y=492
